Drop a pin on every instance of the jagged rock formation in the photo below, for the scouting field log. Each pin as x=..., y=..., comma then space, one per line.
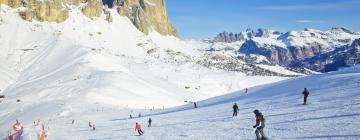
x=12, y=3
x=309, y=48
x=146, y=15
x=93, y=8
x=280, y=55
x=51, y=11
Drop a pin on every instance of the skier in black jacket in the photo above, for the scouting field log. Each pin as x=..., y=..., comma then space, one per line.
x=235, y=109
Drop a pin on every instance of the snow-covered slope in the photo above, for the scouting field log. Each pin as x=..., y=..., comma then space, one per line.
x=58, y=69
x=332, y=113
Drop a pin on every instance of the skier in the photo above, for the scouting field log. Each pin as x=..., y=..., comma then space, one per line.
x=90, y=124
x=93, y=127
x=195, y=105
x=306, y=94
x=149, y=121
x=260, y=124
x=246, y=90
x=138, y=128
x=73, y=121
x=235, y=109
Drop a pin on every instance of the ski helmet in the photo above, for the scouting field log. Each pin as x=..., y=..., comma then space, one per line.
x=256, y=111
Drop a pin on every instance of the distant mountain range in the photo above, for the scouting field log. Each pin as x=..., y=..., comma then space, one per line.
x=313, y=49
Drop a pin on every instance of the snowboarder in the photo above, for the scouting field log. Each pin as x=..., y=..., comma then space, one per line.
x=149, y=121
x=138, y=128
x=306, y=94
x=260, y=124
x=195, y=105
x=235, y=109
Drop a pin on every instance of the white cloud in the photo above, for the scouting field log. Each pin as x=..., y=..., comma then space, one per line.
x=308, y=21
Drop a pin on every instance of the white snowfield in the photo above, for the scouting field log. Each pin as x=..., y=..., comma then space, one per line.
x=332, y=113
x=94, y=71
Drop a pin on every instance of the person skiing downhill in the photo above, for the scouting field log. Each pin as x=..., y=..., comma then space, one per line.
x=149, y=121
x=235, y=109
x=138, y=128
x=260, y=124
x=306, y=94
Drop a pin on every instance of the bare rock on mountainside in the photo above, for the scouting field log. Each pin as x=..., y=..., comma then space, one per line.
x=146, y=15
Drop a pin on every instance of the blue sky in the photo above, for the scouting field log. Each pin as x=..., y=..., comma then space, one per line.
x=206, y=18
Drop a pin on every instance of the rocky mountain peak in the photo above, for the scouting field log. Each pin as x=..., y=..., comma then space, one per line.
x=146, y=15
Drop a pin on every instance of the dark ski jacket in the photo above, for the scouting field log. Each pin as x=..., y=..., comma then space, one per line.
x=260, y=120
x=236, y=108
x=306, y=92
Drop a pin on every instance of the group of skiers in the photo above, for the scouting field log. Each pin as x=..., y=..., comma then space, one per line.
x=260, y=120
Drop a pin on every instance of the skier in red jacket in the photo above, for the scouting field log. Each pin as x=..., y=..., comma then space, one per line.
x=306, y=94
x=138, y=128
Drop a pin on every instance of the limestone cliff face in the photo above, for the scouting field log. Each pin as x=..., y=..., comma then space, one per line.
x=11, y=3
x=146, y=15
x=93, y=8
x=280, y=55
x=51, y=11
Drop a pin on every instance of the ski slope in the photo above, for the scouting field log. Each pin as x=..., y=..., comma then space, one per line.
x=332, y=113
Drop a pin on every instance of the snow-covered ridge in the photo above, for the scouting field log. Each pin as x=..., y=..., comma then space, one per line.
x=296, y=49
x=331, y=38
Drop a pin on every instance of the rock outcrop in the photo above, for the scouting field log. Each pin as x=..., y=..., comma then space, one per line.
x=93, y=8
x=146, y=15
x=12, y=3
x=52, y=11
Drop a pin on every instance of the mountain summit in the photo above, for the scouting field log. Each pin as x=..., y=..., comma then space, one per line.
x=146, y=15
